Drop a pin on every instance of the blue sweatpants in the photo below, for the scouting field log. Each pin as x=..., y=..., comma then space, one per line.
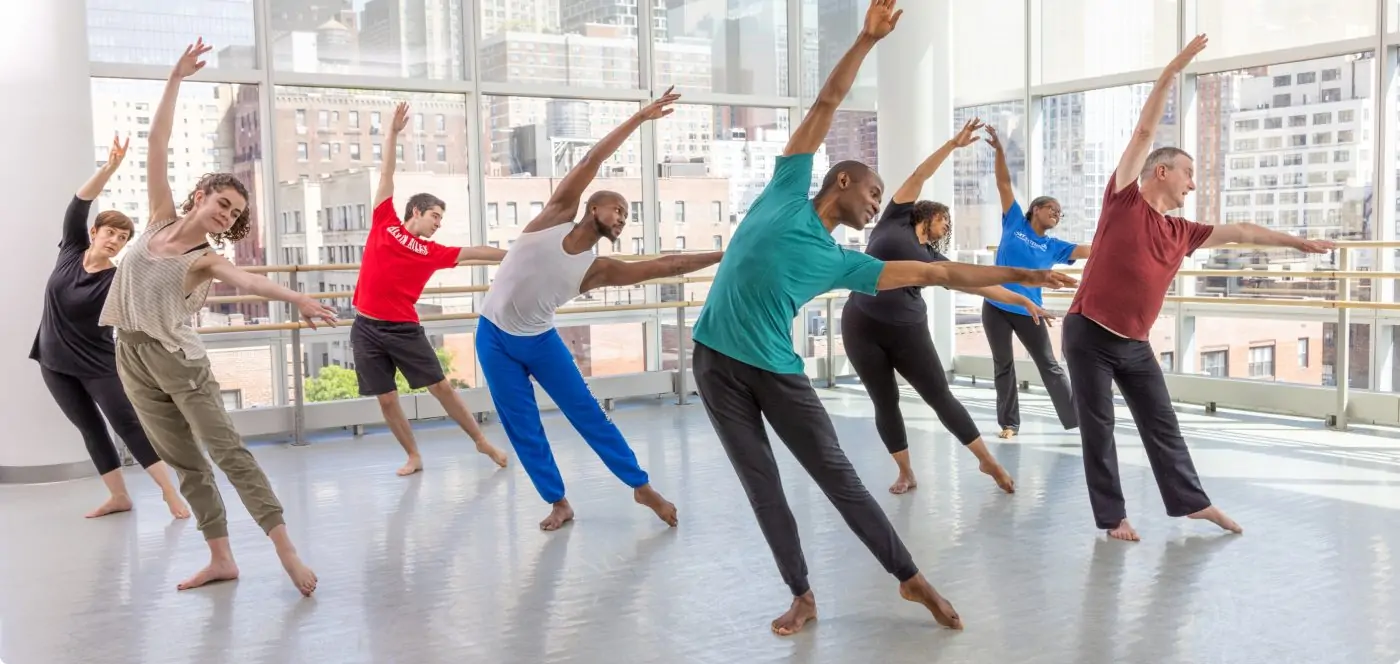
x=509, y=361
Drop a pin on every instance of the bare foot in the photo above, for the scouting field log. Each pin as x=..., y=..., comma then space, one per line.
x=645, y=495
x=415, y=464
x=904, y=484
x=560, y=515
x=178, y=508
x=1124, y=532
x=804, y=610
x=1215, y=516
x=919, y=590
x=1007, y=434
x=492, y=451
x=113, y=505
x=302, y=576
x=218, y=570
x=999, y=474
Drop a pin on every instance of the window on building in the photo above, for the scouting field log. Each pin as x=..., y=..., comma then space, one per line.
x=680, y=212
x=718, y=241
x=1303, y=352
x=1261, y=361
x=637, y=246
x=1168, y=361
x=680, y=243
x=493, y=216
x=1216, y=363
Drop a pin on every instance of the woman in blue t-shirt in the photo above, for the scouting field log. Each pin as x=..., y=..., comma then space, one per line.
x=887, y=333
x=1024, y=244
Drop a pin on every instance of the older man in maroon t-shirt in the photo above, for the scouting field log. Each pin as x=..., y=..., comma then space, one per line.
x=1137, y=251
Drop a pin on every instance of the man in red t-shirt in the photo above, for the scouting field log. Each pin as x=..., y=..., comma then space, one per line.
x=386, y=335
x=1137, y=251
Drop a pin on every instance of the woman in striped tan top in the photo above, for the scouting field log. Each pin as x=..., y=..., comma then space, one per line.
x=160, y=286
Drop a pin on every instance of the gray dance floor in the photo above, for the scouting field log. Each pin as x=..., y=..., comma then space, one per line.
x=449, y=566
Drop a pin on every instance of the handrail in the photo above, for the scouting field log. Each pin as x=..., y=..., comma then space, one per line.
x=264, y=327
x=1341, y=244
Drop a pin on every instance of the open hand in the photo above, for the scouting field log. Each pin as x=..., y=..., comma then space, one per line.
x=312, y=310
x=880, y=19
x=400, y=117
x=992, y=138
x=1048, y=279
x=1188, y=54
x=968, y=134
x=1316, y=246
x=190, y=62
x=117, y=153
x=662, y=106
x=1039, y=314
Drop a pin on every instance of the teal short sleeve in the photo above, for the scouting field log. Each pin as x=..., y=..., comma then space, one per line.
x=859, y=272
x=792, y=176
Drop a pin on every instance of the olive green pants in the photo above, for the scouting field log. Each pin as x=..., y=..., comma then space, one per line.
x=180, y=406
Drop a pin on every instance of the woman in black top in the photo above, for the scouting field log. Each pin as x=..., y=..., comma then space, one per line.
x=77, y=357
x=888, y=332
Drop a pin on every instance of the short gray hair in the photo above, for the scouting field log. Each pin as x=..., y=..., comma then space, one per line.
x=1162, y=157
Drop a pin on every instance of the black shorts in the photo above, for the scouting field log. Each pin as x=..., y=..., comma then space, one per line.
x=381, y=347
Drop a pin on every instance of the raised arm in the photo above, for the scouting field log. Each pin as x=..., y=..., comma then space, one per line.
x=95, y=184
x=1247, y=233
x=1140, y=144
x=390, y=158
x=613, y=272
x=563, y=204
x=909, y=191
x=217, y=267
x=880, y=20
x=158, y=195
x=1004, y=190
x=75, y=219
x=902, y=274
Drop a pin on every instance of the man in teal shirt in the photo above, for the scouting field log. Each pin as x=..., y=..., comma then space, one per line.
x=781, y=257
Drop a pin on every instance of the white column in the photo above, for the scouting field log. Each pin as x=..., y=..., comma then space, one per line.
x=915, y=117
x=49, y=146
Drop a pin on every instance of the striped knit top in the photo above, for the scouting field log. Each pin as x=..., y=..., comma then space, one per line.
x=148, y=295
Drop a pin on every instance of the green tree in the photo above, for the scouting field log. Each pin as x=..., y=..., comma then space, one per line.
x=333, y=383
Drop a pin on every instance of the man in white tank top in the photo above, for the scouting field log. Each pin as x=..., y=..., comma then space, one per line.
x=551, y=263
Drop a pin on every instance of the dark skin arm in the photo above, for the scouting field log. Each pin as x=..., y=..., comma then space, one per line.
x=909, y=191
x=959, y=276
x=880, y=20
x=613, y=272
x=563, y=204
x=1004, y=190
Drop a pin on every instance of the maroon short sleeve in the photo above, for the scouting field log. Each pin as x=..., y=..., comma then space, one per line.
x=1196, y=235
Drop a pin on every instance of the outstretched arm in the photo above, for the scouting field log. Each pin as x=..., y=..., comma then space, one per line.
x=563, y=204
x=158, y=195
x=613, y=272
x=480, y=254
x=880, y=20
x=1006, y=296
x=1140, y=145
x=909, y=191
x=1081, y=251
x=902, y=274
x=215, y=266
x=1004, y=190
x=1247, y=233
x=390, y=158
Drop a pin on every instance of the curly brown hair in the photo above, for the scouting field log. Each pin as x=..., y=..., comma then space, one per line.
x=216, y=182
x=925, y=212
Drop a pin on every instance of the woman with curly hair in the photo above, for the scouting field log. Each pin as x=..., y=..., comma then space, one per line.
x=78, y=358
x=161, y=285
x=888, y=332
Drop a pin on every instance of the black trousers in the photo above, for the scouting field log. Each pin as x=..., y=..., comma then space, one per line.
x=877, y=350
x=737, y=398
x=1097, y=359
x=80, y=399
x=1000, y=325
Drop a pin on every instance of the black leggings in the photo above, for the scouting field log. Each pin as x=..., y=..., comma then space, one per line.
x=877, y=350
x=80, y=399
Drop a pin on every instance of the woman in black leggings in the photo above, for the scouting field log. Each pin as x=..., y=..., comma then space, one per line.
x=888, y=332
x=77, y=357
